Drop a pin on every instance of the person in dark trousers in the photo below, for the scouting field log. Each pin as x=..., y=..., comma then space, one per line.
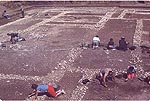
x=15, y=38
x=5, y=15
x=111, y=44
x=95, y=42
x=22, y=12
x=44, y=88
x=123, y=44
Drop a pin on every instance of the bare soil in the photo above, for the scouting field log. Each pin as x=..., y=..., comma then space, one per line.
x=48, y=46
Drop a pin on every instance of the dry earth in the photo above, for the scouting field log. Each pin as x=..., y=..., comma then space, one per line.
x=51, y=52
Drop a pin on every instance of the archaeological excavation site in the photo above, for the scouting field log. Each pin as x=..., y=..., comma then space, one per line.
x=52, y=43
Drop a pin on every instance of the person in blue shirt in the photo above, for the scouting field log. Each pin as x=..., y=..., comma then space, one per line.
x=43, y=88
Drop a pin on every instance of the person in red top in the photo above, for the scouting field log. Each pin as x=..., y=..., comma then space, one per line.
x=43, y=88
x=131, y=72
x=51, y=91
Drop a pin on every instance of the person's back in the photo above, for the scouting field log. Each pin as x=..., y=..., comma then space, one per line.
x=96, y=38
x=131, y=72
x=122, y=44
x=50, y=89
x=42, y=88
x=95, y=42
x=111, y=44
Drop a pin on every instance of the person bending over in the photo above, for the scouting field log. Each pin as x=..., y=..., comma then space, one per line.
x=111, y=44
x=104, y=75
x=131, y=72
x=95, y=42
x=43, y=88
x=123, y=44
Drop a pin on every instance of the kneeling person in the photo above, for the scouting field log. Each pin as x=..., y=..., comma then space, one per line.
x=105, y=75
x=111, y=44
x=131, y=72
x=123, y=44
x=95, y=42
x=15, y=38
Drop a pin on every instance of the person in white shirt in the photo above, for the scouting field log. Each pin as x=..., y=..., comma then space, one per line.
x=95, y=42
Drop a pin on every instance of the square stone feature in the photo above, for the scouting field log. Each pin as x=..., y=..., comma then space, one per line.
x=77, y=19
x=15, y=89
x=137, y=16
x=101, y=58
x=116, y=28
x=146, y=25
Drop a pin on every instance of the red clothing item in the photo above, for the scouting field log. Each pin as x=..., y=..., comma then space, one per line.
x=131, y=76
x=51, y=91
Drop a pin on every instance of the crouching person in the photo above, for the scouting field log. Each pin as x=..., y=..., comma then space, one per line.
x=51, y=90
x=95, y=42
x=5, y=15
x=123, y=44
x=105, y=75
x=111, y=44
x=131, y=72
x=15, y=38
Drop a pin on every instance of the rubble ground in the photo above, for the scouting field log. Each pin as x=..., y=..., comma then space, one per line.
x=52, y=52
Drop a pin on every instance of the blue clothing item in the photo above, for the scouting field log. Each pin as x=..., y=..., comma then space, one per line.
x=42, y=88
